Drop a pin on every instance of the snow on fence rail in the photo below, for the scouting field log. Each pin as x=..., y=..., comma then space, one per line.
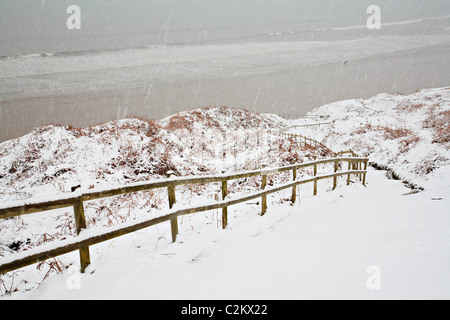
x=306, y=140
x=315, y=124
x=86, y=238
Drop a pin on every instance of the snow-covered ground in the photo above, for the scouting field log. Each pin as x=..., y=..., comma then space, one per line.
x=408, y=135
x=380, y=241
x=326, y=247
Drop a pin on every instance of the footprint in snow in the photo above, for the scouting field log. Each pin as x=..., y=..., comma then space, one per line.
x=201, y=255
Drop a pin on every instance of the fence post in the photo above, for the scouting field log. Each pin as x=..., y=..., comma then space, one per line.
x=360, y=174
x=172, y=201
x=224, y=209
x=364, y=174
x=335, y=177
x=348, y=177
x=315, y=180
x=263, y=197
x=294, y=188
x=80, y=223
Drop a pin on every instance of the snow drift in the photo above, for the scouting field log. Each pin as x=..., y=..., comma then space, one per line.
x=50, y=160
x=407, y=135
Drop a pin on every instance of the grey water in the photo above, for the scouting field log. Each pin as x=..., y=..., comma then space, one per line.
x=39, y=26
x=152, y=58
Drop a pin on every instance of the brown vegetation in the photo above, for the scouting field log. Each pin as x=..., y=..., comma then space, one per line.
x=439, y=122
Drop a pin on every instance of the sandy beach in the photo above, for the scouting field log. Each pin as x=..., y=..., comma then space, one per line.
x=291, y=92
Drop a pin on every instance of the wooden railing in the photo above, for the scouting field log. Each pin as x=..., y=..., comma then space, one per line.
x=307, y=141
x=315, y=124
x=85, y=238
x=314, y=143
x=303, y=139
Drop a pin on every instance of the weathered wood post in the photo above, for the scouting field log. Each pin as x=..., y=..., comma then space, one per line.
x=315, y=180
x=335, y=177
x=364, y=174
x=348, y=176
x=294, y=188
x=359, y=168
x=80, y=223
x=263, y=197
x=224, y=209
x=172, y=201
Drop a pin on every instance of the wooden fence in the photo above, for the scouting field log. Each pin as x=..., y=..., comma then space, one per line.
x=305, y=125
x=356, y=166
x=314, y=143
x=303, y=139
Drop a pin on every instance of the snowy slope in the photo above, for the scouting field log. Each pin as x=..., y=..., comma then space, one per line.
x=50, y=160
x=321, y=248
x=409, y=135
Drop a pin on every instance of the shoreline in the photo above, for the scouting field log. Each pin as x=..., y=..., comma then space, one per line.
x=291, y=92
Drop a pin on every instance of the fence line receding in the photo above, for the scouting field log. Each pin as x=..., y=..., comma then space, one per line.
x=85, y=238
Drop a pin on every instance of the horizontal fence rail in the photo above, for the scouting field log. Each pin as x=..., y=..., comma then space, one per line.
x=306, y=125
x=85, y=238
x=24, y=207
x=303, y=139
x=313, y=143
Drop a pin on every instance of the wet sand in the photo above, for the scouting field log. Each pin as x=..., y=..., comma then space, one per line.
x=290, y=92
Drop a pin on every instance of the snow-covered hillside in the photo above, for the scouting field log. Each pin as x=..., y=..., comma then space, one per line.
x=325, y=247
x=50, y=160
x=321, y=248
x=407, y=135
